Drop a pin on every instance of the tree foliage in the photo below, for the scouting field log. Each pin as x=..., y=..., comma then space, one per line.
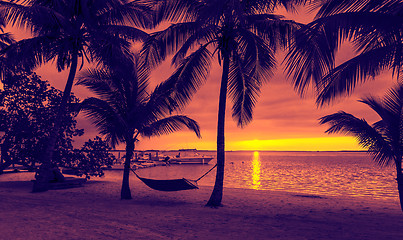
x=28, y=106
x=70, y=33
x=90, y=160
x=375, y=29
x=242, y=35
x=384, y=138
x=63, y=29
x=125, y=110
x=248, y=32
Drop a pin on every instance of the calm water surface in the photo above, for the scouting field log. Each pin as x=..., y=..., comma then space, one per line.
x=318, y=173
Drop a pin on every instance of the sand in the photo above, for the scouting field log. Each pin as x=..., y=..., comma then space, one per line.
x=96, y=212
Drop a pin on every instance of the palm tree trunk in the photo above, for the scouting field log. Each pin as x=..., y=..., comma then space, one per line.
x=399, y=179
x=216, y=195
x=5, y=157
x=125, y=192
x=44, y=173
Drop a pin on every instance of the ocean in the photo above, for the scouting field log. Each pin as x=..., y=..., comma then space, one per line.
x=313, y=173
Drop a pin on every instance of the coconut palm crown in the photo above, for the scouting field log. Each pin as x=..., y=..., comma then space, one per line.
x=69, y=33
x=374, y=27
x=241, y=35
x=384, y=138
x=124, y=111
x=5, y=40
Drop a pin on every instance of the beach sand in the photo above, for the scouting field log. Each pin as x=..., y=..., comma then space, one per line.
x=95, y=211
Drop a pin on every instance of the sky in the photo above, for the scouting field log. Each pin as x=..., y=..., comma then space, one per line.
x=283, y=120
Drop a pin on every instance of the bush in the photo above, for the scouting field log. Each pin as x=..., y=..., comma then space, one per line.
x=91, y=158
x=28, y=106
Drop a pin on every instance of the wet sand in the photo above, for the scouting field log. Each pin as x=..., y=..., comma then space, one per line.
x=96, y=212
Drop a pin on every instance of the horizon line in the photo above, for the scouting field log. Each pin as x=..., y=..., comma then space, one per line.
x=205, y=150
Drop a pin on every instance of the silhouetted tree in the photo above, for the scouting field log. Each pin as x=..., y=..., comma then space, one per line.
x=90, y=160
x=374, y=27
x=5, y=40
x=384, y=138
x=125, y=111
x=28, y=107
x=66, y=31
x=243, y=36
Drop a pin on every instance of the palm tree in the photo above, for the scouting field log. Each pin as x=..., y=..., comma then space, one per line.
x=5, y=69
x=125, y=111
x=67, y=32
x=243, y=35
x=374, y=27
x=5, y=40
x=383, y=139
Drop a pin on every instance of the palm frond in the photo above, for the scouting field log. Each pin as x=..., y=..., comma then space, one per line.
x=101, y=82
x=390, y=110
x=377, y=105
x=212, y=12
x=371, y=30
x=126, y=32
x=367, y=136
x=206, y=34
x=243, y=89
x=35, y=17
x=343, y=78
x=275, y=30
x=393, y=100
x=169, y=125
x=121, y=85
x=108, y=48
x=257, y=55
x=106, y=119
x=30, y=53
x=190, y=75
x=124, y=106
x=138, y=13
x=160, y=102
x=162, y=43
x=261, y=5
x=141, y=78
x=389, y=126
x=345, y=26
x=95, y=30
x=252, y=64
x=174, y=93
x=331, y=7
x=309, y=58
x=6, y=39
x=177, y=10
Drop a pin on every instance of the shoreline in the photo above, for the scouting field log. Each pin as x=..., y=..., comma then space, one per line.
x=96, y=212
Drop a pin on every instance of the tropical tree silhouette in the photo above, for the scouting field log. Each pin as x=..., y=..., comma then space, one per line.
x=28, y=106
x=5, y=40
x=375, y=29
x=67, y=32
x=384, y=138
x=242, y=35
x=125, y=111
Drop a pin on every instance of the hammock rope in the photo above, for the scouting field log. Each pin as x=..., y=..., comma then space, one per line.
x=211, y=169
x=172, y=184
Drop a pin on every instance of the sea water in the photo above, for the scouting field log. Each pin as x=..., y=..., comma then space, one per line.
x=314, y=173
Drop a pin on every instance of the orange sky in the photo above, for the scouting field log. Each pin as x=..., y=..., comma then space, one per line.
x=282, y=119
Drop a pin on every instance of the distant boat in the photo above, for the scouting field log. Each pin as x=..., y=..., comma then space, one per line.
x=183, y=156
x=190, y=160
x=190, y=156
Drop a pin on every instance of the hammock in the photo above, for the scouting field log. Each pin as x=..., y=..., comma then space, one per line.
x=172, y=185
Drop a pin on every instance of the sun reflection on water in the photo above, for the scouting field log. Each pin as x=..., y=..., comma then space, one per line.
x=256, y=167
x=307, y=173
